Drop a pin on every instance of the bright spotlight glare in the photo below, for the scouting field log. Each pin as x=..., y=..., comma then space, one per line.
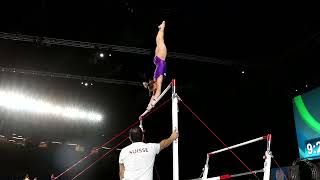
x=101, y=55
x=94, y=117
x=82, y=115
x=15, y=101
x=70, y=112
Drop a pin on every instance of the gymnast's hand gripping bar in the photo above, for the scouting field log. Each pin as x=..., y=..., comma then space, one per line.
x=148, y=110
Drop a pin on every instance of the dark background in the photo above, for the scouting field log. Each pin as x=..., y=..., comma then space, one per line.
x=276, y=45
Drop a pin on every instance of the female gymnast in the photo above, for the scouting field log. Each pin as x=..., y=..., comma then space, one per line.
x=154, y=86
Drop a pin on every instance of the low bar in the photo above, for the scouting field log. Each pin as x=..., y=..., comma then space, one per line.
x=237, y=145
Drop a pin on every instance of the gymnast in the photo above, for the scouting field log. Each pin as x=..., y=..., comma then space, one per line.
x=154, y=86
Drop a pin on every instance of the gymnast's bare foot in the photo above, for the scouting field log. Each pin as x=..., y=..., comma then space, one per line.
x=162, y=25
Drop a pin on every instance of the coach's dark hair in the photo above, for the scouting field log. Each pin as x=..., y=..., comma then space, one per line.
x=136, y=134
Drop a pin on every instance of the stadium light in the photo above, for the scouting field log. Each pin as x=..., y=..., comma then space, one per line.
x=16, y=101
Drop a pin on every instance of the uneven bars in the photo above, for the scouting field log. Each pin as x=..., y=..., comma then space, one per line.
x=175, y=149
x=237, y=145
x=161, y=95
x=227, y=176
x=246, y=173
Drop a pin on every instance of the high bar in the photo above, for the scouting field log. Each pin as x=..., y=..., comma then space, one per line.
x=161, y=95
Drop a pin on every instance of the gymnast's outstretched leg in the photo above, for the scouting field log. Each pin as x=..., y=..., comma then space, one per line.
x=159, y=61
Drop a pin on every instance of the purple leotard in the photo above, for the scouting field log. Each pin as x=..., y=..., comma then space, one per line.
x=161, y=67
